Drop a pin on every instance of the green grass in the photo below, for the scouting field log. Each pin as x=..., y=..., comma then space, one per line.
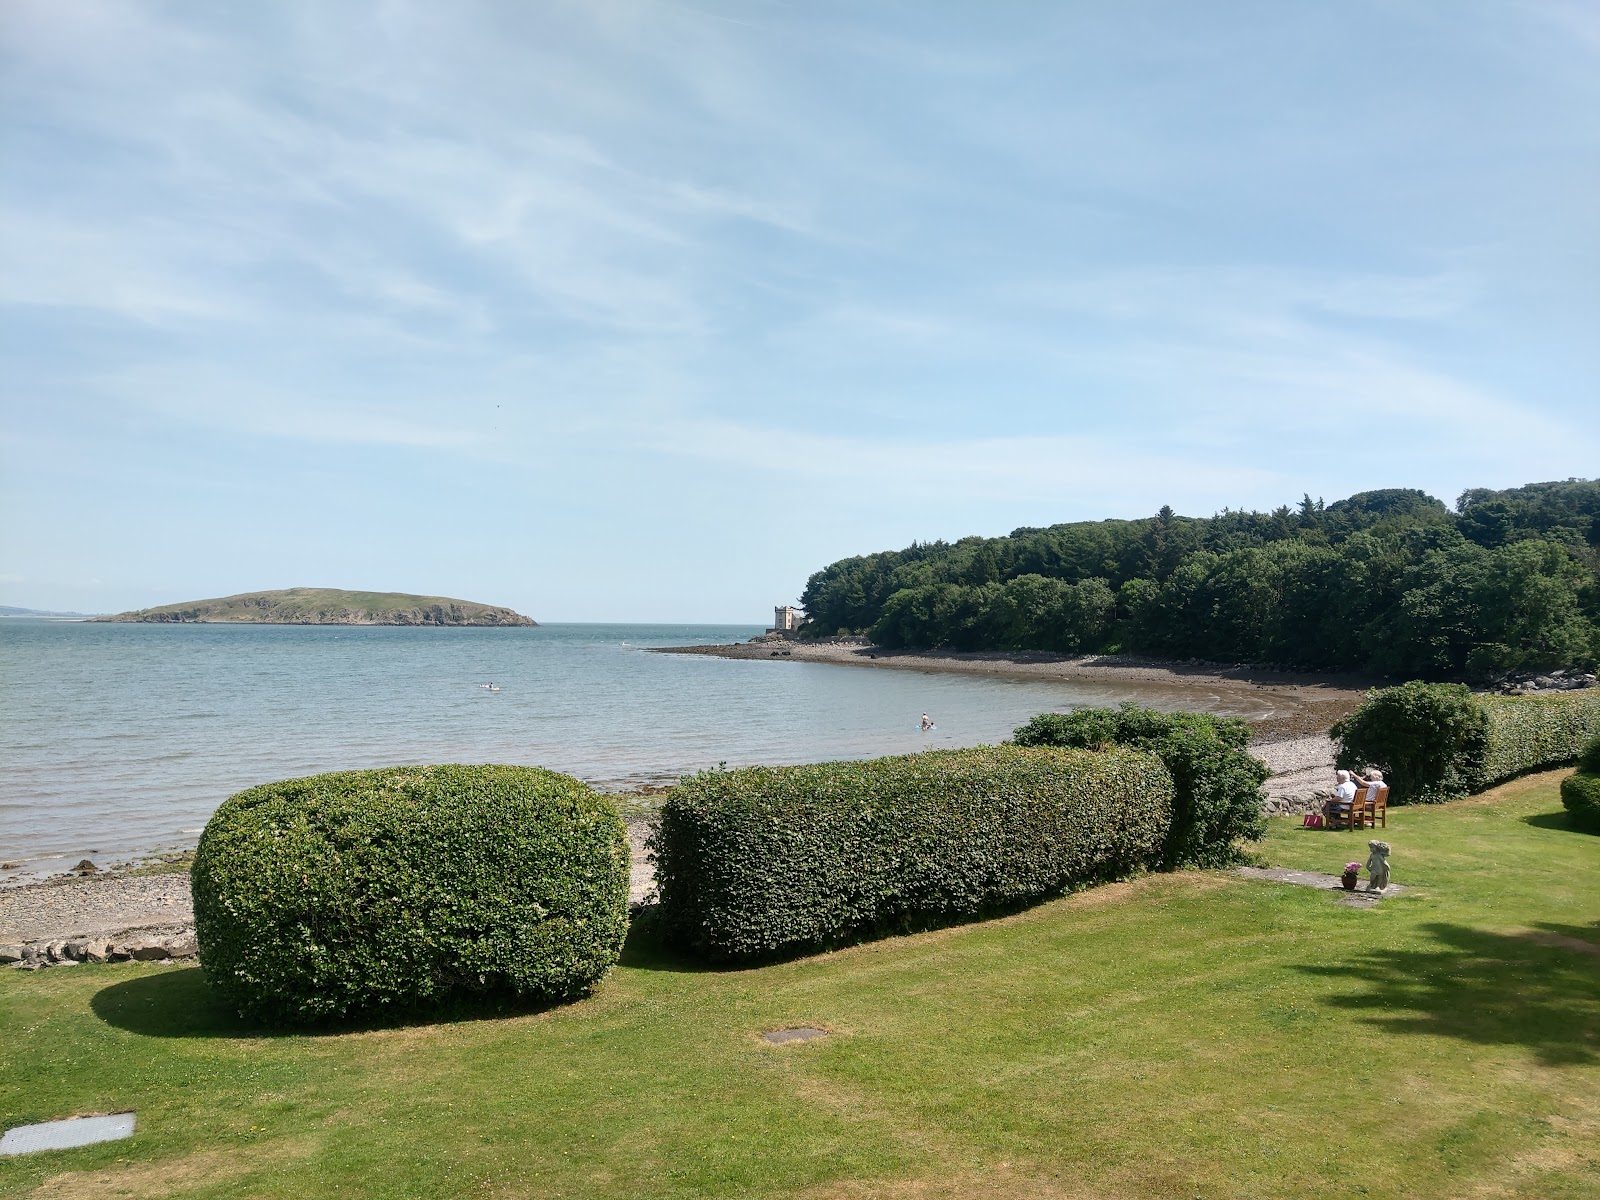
x=1180, y=1036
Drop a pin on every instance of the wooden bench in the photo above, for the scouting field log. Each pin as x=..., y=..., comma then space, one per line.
x=1369, y=807
x=1343, y=814
x=1374, y=805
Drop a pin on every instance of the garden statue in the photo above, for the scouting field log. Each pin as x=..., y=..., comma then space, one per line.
x=1378, y=866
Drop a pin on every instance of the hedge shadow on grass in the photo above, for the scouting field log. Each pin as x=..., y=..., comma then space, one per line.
x=1482, y=987
x=648, y=949
x=1552, y=820
x=179, y=1003
x=645, y=949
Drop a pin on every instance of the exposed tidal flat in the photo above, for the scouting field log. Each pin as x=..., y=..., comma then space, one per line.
x=122, y=739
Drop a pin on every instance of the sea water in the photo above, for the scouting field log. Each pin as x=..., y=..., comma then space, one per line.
x=117, y=739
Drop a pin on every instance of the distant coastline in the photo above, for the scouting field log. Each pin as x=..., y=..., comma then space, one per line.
x=43, y=614
x=325, y=606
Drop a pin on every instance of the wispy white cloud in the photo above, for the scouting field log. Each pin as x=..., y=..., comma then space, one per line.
x=1062, y=468
x=212, y=398
x=147, y=272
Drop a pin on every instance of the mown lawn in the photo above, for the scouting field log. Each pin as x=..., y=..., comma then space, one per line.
x=1183, y=1036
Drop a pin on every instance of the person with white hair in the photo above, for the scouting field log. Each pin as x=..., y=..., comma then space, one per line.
x=1344, y=797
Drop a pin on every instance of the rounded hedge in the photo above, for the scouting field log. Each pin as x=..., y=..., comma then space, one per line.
x=1420, y=734
x=1580, y=794
x=1580, y=791
x=408, y=888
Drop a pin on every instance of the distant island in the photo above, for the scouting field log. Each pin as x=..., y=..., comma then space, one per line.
x=325, y=606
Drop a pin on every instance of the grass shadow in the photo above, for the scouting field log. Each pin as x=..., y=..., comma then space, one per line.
x=171, y=1003
x=1477, y=986
x=179, y=1003
x=646, y=950
x=1552, y=820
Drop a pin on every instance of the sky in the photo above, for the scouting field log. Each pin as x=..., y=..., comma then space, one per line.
x=626, y=311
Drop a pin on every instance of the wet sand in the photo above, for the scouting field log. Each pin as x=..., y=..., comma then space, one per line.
x=1276, y=704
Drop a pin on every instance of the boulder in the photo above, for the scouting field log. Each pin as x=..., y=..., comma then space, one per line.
x=12, y=953
x=150, y=952
x=182, y=945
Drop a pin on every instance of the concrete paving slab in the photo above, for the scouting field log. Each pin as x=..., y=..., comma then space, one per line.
x=64, y=1135
x=1362, y=897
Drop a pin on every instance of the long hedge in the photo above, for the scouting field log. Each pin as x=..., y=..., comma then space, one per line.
x=771, y=861
x=408, y=888
x=1530, y=733
x=1439, y=741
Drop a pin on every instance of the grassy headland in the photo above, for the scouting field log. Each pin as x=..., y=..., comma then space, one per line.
x=1177, y=1036
x=327, y=606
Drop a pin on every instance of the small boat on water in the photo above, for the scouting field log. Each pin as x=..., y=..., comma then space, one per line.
x=489, y=687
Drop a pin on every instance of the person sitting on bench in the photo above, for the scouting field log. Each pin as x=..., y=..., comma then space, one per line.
x=1344, y=798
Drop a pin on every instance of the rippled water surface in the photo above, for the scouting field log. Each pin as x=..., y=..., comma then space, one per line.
x=120, y=738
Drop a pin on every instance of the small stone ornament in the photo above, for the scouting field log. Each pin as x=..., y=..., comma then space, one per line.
x=1378, y=866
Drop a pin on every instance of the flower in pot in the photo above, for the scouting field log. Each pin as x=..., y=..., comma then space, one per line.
x=1352, y=872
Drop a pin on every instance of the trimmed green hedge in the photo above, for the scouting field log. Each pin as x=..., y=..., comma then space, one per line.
x=1218, y=782
x=770, y=861
x=1436, y=741
x=1580, y=792
x=407, y=889
x=1531, y=733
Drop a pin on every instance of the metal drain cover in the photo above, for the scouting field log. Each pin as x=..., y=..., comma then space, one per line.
x=63, y=1135
x=803, y=1034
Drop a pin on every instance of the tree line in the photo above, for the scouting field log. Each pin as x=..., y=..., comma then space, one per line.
x=1393, y=582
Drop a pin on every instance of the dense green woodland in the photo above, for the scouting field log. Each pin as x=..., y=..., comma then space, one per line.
x=1392, y=582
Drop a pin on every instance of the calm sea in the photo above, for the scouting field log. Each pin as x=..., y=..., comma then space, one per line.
x=118, y=739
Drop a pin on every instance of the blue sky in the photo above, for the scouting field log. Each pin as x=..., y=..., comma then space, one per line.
x=632, y=311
